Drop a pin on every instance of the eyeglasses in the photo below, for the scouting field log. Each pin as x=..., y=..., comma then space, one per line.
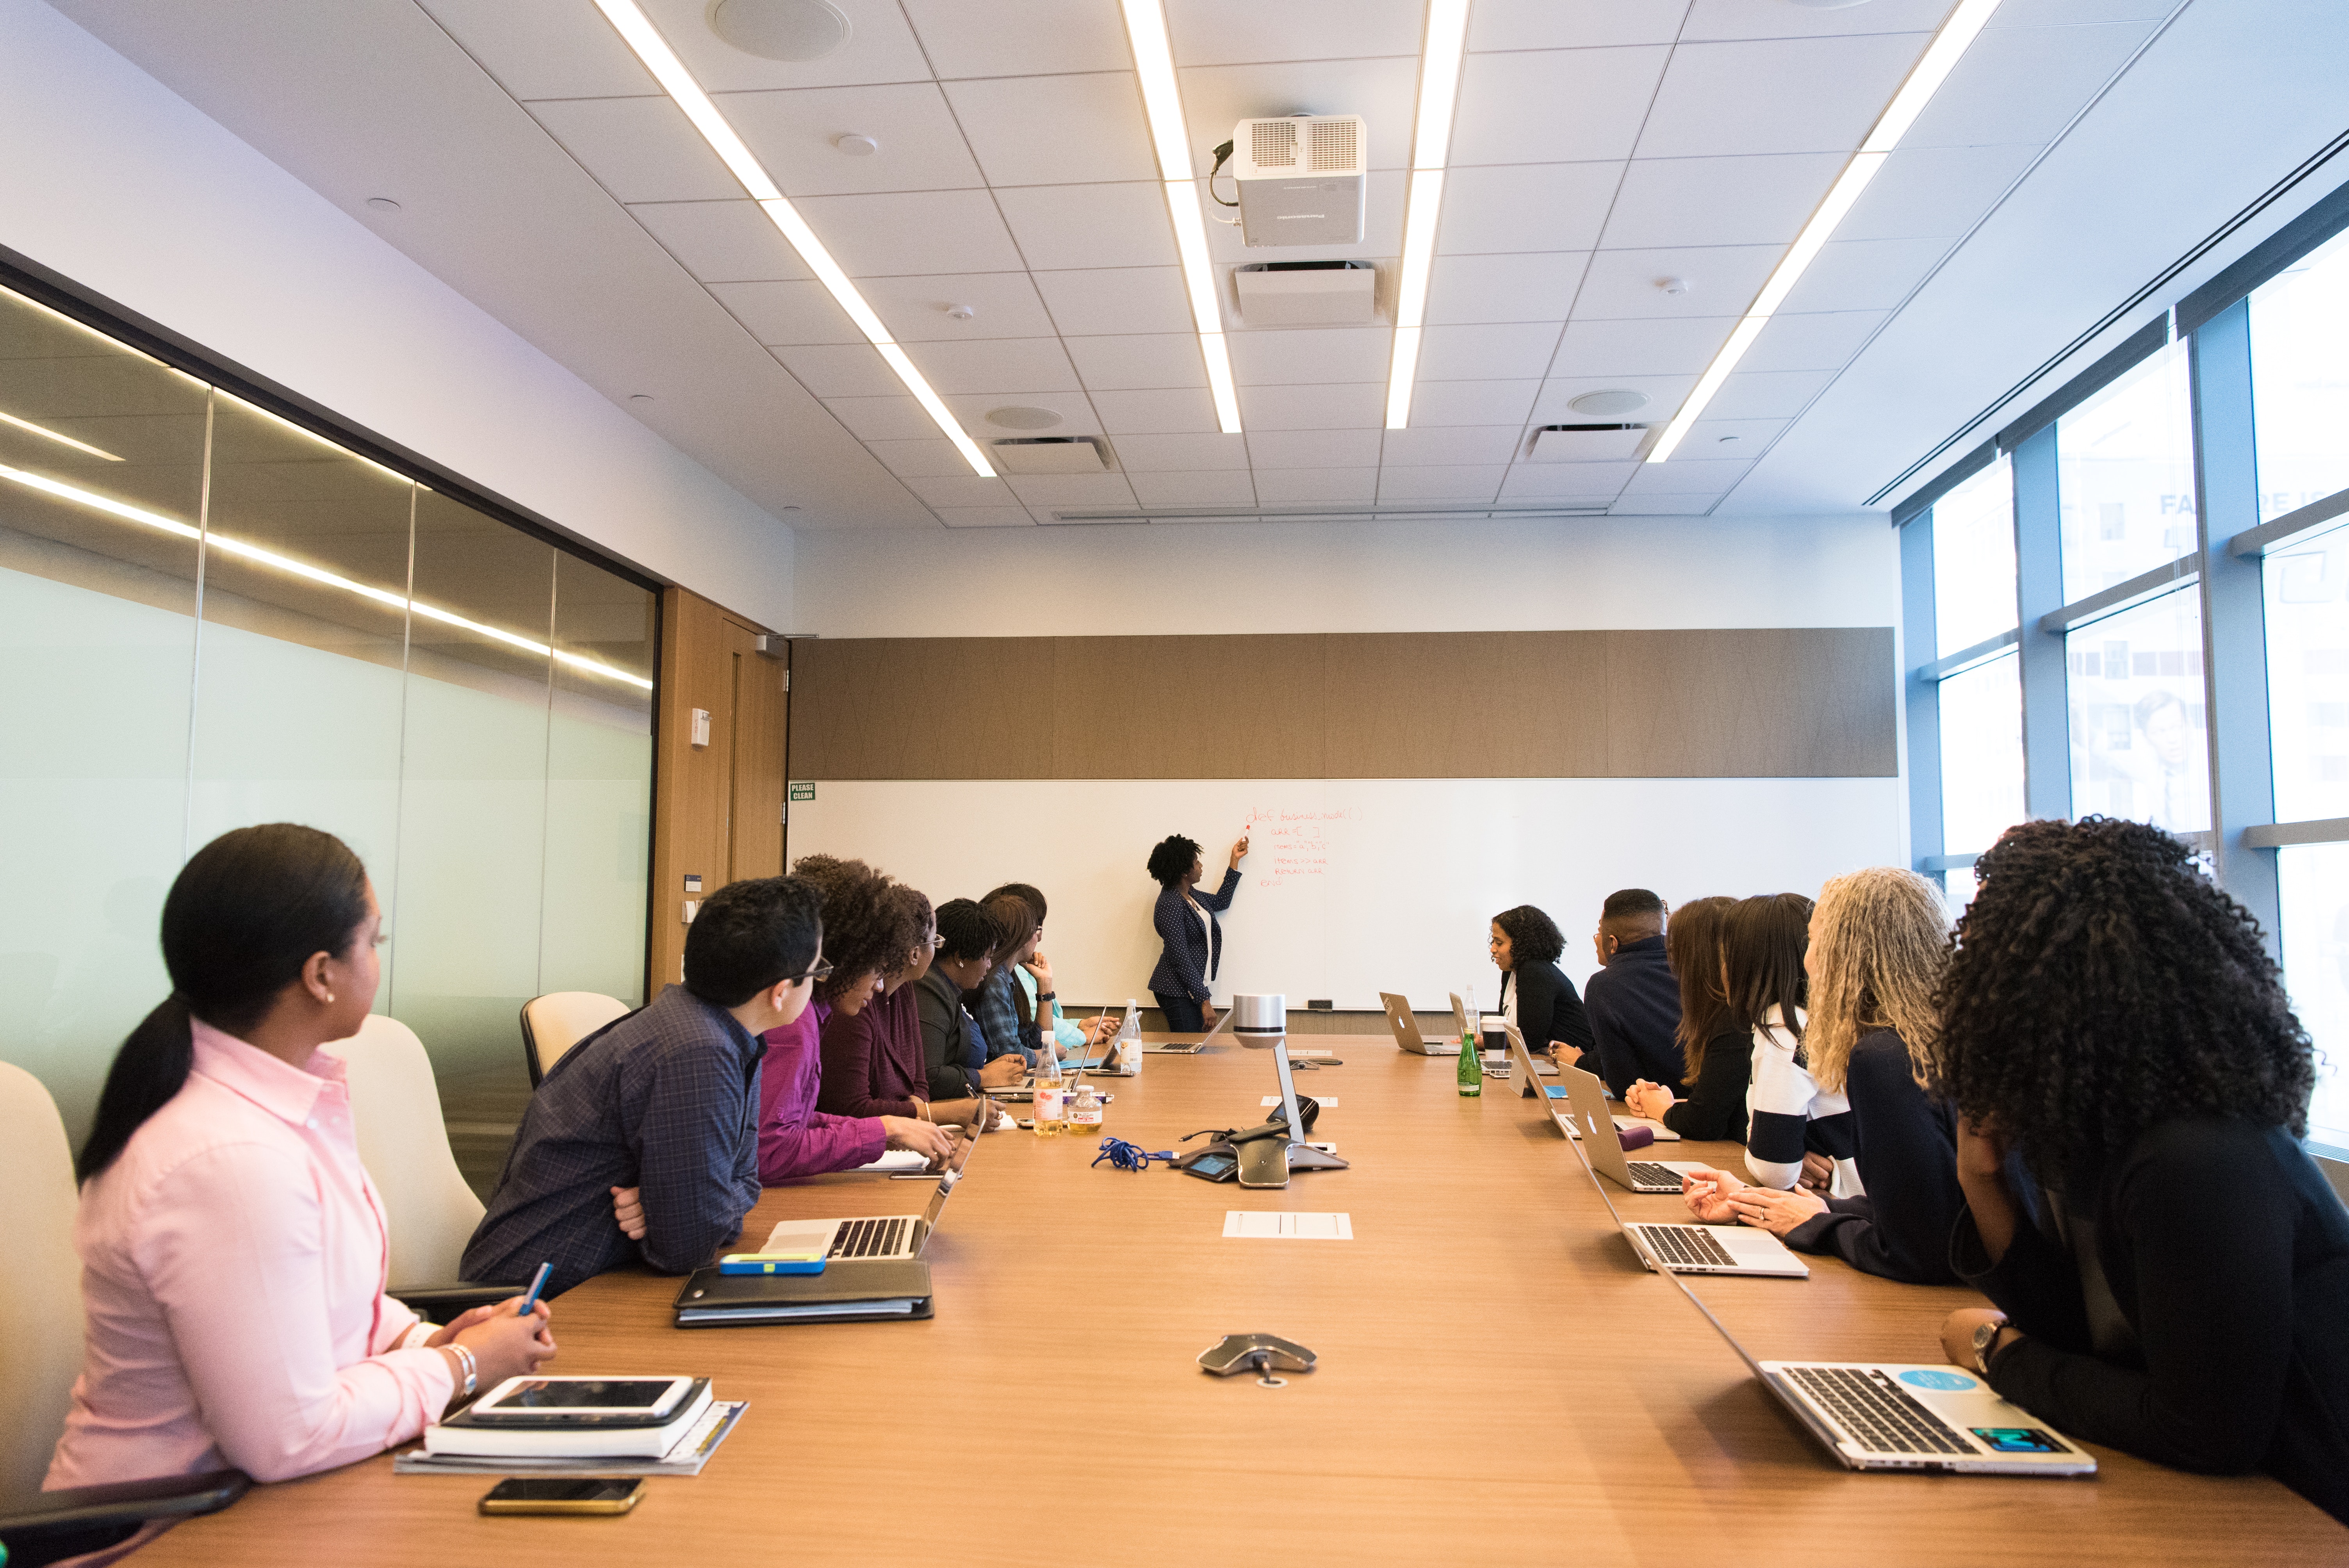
x=820, y=971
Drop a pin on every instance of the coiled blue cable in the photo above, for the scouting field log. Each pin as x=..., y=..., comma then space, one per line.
x=1124, y=1156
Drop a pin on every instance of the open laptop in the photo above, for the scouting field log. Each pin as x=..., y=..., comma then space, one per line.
x=1524, y=1076
x=1585, y=1110
x=877, y=1237
x=1190, y=1047
x=1405, y=1025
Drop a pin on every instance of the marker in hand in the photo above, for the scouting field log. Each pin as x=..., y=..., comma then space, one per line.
x=537, y=1284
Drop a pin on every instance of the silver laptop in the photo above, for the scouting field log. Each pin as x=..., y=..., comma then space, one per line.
x=1524, y=1076
x=1191, y=1047
x=1584, y=1108
x=1405, y=1025
x=874, y=1237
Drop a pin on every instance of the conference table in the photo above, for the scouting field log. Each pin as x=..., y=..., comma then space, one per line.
x=1499, y=1381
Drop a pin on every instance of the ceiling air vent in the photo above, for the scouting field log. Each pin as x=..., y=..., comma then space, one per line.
x=1587, y=443
x=1051, y=454
x=1307, y=294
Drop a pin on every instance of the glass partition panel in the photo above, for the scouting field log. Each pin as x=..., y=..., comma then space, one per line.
x=101, y=476
x=2299, y=340
x=1982, y=756
x=2139, y=742
x=1974, y=560
x=2308, y=675
x=599, y=773
x=2315, y=898
x=473, y=786
x=2124, y=476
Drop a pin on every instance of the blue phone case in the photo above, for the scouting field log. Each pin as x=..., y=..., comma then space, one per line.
x=770, y=1266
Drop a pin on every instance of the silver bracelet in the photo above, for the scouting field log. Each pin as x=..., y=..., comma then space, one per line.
x=473, y=1369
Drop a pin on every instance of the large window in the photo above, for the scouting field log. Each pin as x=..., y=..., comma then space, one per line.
x=2315, y=886
x=2139, y=744
x=1974, y=560
x=2307, y=584
x=2124, y=474
x=1981, y=754
x=2300, y=380
x=212, y=618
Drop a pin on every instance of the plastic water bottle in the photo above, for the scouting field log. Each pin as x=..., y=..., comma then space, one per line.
x=1051, y=1097
x=1085, y=1112
x=1129, y=1037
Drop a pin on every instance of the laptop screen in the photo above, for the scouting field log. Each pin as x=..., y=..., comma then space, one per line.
x=1288, y=1091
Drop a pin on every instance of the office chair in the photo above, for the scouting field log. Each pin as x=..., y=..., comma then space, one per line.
x=41, y=1325
x=404, y=1144
x=553, y=1024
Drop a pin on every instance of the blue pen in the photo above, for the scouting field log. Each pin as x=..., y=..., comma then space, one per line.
x=536, y=1285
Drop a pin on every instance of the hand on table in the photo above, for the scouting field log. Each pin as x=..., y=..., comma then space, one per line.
x=1707, y=1192
x=1004, y=1071
x=1648, y=1100
x=629, y=1212
x=504, y=1342
x=927, y=1138
x=1777, y=1212
x=1958, y=1334
x=1096, y=1030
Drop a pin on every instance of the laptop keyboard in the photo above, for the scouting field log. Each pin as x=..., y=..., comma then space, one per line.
x=870, y=1238
x=1649, y=1173
x=1878, y=1412
x=1686, y=1243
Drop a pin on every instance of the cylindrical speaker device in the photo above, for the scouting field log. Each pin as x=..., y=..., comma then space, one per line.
x=1264, y=1018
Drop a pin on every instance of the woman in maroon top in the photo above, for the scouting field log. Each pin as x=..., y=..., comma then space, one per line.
x=872, y=1058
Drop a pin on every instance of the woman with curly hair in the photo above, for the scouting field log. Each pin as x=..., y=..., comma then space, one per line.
x=1543, y=1005
x=1185, y=921
x=2170, y=1269
x=1879, y=939
x=865, y=935
x=872, y=1062
x=1717, y=1045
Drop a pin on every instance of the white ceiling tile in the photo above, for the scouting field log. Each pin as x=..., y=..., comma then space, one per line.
x=1090, y=225
x=2023, y=83
x=1664, y=506
x=1780, y=94
x=1358, y=407
x=1756, y=200
x=973, y=410
x=1450, y=403
x=1029, y=364
x=884, y=419
x=1228, y=488
x=638, y=148
x=909, y=233
x=1572, y=23
x=543, y=48
x=1865, y=274
x=841, y=370
x=1383, y=195
x=966, y=489
x=966, y=40
x=1056, y=131
x=1822, y=342
x=1534, y=287
x=1492, y=353
x=1126, y=363
x=1551, y=106
x=792, y=133
x=1224, y=32
x=1728, y=437
x=920, y=459
x=915, y=309
x=1313, y=448
x=721, y=241
x=1546, y=207
x=1170, y=412
x=1927, y=191
x=1766, y=394
x=1720, y=19
x=1316, y=355
x=1474, y=482
x=788, y=313
x=1566, y=481
x=1629, y=284
x=1685, y=476
x=2072, y=12
x=1113, y=300
x=880, y=48
x=1651, y=348
x=1664, y=395
x=1456, y=443
x=1302, y=486
x=1383, y=91
x=985, y=516
x=1180, y=454
x=1072, y=489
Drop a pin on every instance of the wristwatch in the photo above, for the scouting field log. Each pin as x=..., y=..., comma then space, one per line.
x=1985, y=1335
x=1048, y=995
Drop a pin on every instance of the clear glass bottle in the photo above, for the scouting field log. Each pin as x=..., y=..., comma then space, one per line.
x=1051, y=1097
x=1085, y=1112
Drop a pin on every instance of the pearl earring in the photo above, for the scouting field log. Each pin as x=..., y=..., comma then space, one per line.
x=330, y=998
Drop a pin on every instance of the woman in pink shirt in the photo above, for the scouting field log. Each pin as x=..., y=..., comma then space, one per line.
x=233, y=1251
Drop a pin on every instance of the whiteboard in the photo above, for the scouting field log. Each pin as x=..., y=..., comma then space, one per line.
x=1353, y=886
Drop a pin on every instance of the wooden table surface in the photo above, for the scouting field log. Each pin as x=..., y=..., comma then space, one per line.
x=1499, y=1382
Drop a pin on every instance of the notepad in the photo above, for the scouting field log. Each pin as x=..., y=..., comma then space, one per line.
x=1287, y=1226
x=1325, y=1100
x=893, y=1160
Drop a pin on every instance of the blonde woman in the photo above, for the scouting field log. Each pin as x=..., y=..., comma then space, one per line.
x=1878, y=940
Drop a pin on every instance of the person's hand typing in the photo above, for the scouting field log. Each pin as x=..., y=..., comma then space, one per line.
x=927, y=1138
x=1772, y=1211
x=1004, y=1071
x=629, y=1212
x=1707, y=1192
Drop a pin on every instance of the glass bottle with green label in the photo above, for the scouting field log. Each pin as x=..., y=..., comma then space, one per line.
x=1472, y=1069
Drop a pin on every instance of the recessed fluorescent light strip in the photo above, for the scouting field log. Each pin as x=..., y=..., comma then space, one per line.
x=1161, y=100
x=270, y=558
x=1439, y=92
x=44, y=431
x=636, y=30
x=1940, y=58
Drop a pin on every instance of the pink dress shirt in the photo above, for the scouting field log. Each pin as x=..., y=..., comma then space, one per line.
x=234, y=1263
x=795, y=1139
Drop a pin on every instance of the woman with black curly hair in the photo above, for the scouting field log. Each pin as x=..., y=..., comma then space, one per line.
x=2171, y=1270
x=1545, y=1007
x=1185, y=920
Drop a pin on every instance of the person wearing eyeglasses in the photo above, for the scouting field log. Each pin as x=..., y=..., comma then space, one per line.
x=642, y=1143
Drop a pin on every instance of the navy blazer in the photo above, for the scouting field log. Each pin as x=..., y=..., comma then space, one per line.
x=1191, y=958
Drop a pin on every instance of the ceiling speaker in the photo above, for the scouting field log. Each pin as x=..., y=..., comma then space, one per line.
x=1019, y=418
x=1612, y=401
x=780, y=29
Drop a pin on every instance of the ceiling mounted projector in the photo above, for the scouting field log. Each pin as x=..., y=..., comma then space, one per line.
x=1300, y=178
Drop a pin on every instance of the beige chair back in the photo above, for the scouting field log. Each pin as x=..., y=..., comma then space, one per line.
x=40, y=1287
x=404, y=1144
x=553, y=1024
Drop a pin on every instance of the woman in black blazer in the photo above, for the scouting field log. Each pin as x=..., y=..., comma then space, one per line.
x=1546, y=1009
x=1185, y=919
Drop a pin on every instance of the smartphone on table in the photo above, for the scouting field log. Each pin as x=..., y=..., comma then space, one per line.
x=564, y=1494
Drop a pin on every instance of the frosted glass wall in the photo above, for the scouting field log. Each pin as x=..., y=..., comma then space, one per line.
x=210, y=618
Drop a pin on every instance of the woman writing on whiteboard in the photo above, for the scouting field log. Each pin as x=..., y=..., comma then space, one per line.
x=1185, y=919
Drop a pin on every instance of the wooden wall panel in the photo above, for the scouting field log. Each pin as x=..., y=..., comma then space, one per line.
x=1768, y=703
x=922, y=707
x=1187, y=707
x=755, y=824
x=1479, y=705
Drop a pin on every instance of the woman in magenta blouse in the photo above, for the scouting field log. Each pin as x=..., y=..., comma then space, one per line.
x=233, y=1248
